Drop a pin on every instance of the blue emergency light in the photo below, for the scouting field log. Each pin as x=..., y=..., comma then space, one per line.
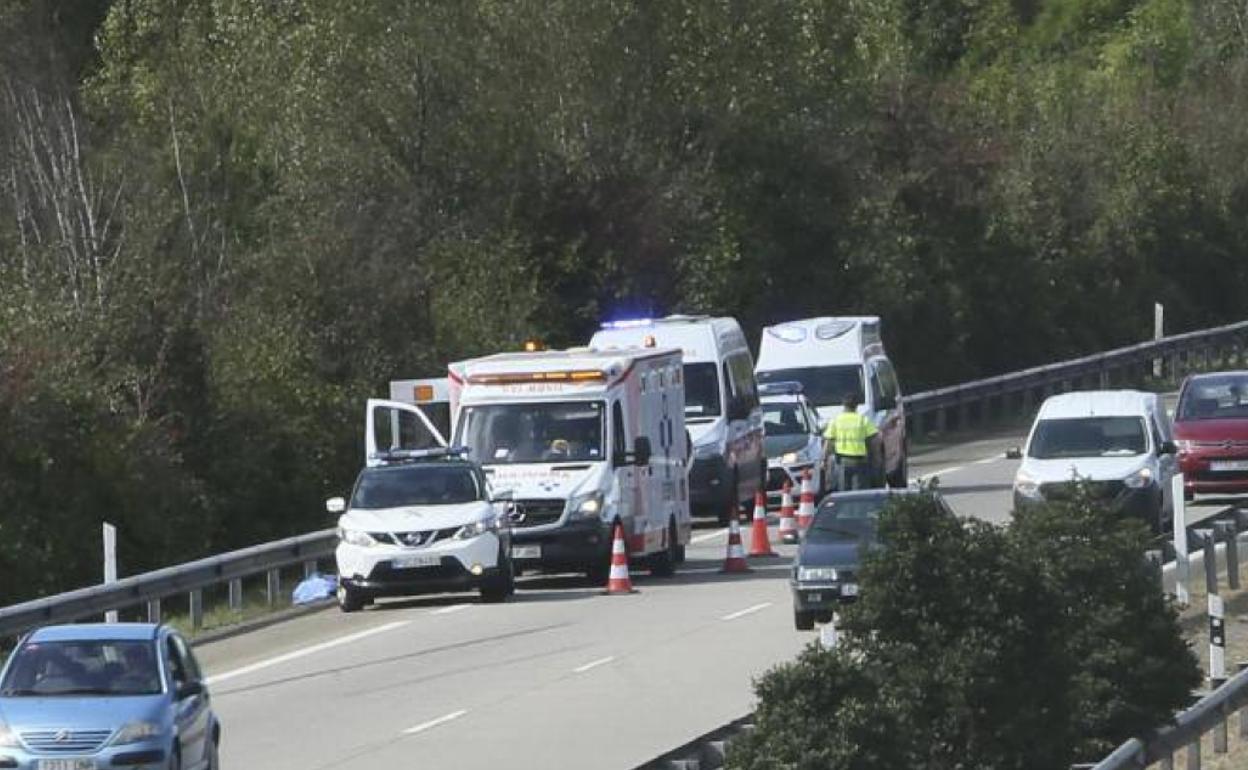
x=628, y=323
x=414, y=455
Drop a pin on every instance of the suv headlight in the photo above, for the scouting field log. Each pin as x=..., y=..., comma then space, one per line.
x=1027, y=486
x=356, y=537
x=1140, y=479
x=705, y=451
x=134, y=732
x=588, y=506
x=792, y=458
x=811, y=574
x=477, y=528
x=8, y=738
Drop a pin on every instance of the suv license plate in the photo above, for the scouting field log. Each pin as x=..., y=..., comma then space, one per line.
x=814, y=597
x=849, y=589
x=1228, y=465
x=526, y=552
x=65, y=764
x=410, y=562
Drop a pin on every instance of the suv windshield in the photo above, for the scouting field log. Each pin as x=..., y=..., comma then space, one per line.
x=1089, y=437
x=853, y=519
x=785, y=420
x=415, y=484
x=82, y=668
x=1224, y=397
x=822, y=385
x=569, y=431
x=701, y=390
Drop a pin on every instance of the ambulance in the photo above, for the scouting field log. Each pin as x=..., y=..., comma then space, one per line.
x=580, y=440
x=833, y=356
x=722, y=406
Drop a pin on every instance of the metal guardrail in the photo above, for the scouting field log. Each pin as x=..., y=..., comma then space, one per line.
x=706, y=752
x=1131, y=365
x=191, y=578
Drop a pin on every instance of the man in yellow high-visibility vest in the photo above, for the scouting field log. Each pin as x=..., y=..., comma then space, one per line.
x=853, y=438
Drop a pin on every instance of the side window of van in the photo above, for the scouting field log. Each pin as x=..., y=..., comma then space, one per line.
x=619, y=442
x=887, y=382
x=741, y=374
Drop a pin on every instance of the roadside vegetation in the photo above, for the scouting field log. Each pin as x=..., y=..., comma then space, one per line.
x=223, y=224
x=1040, y=644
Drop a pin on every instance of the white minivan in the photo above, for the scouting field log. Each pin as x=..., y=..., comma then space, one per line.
x=832, y=357
x=722, y=409
x=1119, y=441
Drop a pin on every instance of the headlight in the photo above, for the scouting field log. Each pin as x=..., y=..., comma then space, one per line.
x=587, y=506
x=1027, y=486
x=1140, y=479
x=703, y=451
x=356, y=537
x=476, y=528
x=790, y=458
x=811, y=574
x=8, y=738
x=135, y=732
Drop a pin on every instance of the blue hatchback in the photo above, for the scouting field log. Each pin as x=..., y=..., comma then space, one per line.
x=93, y=695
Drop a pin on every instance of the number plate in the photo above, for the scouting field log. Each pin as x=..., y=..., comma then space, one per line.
x=411, y=562
x=849, y=589
x=1228, y=465
x=526, y=552
x=65, y=764
x=814, y=597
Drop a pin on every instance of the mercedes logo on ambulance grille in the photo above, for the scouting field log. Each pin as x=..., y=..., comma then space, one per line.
x=62, y=736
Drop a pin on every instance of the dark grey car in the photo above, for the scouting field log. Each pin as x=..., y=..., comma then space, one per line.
x=825, y=572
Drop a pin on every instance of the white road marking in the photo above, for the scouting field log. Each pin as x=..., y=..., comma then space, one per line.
x=989, y=460
x=420, y=728
x=348, y=639
x=450, y=609
x=707, y=536
x=593, y=664
x=746, y=611
x=941, y=472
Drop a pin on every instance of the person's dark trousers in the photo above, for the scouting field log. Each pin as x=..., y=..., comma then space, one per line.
x=855, y=473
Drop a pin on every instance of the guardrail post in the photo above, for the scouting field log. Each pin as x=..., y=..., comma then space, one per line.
x=197, y=609
x=964, y=415
x=1193, y=754
x=1167, y=762
x=942, y=420
x=1228, y=532
x=1210, y=548
x=273, y=586
x=153, y=610
x=1243, y=712
x=1028, y=398
x=1219, y=735
x=236, y=594
x=309, y=568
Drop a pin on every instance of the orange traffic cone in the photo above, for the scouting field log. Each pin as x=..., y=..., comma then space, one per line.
x=735, y=560
x=806, y=509
x=618, y=582
x=760, y=545
x=788, y=522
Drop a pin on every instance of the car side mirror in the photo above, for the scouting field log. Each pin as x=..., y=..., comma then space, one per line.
x=1014, y=453
x=503, y=496
x=641, y=451
x=189, y=690
x=335, y=505
x=1168, y=448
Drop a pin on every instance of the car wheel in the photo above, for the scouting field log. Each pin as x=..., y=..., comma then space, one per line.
x=350, y=599
x=214, y=759
x=803, y=621
x=600, y=570
x=175, y=759
x=664, y=564
x=496, y=589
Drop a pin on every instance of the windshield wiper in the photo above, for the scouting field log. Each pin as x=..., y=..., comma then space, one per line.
x=1119, y=453
x=15, y=692
x=81, y=691
x=835, y=531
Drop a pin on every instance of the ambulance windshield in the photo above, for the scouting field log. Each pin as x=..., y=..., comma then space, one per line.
x=701, y=391
x=570, y=431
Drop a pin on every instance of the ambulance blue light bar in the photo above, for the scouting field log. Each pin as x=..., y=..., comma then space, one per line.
x=628, y=323
x=780, y=389
x=415, y=455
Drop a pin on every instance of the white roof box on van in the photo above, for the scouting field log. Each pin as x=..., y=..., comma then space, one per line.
x=822, y=341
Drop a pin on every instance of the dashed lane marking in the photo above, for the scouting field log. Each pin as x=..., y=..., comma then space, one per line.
x=593, y=664
x=707, y=536
x=450, y=609
x=420, y=728
x=746, y=611
x=306, y=651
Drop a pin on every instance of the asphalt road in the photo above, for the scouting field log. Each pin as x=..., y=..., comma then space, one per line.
x=560, y=677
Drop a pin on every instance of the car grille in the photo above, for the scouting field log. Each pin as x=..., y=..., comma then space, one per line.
x=535, y=513
x=66, y=741
x=1103, y=490
x=414, y=539
x=1221, y=444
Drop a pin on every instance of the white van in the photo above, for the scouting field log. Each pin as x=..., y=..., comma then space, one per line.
x=1120, y=441
x=582, y=440
x=722, y=407
x=831, y=357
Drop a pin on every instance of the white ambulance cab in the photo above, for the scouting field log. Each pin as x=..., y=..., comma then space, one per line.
x=722, y=406
x=581, y=439
x=831, y=357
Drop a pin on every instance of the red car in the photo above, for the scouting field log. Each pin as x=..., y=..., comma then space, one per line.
x=1211, y=430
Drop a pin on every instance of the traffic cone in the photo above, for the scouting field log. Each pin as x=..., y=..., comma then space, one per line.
x=788, y=521
x=618, y=582
x=735, y=560
x=806, y=510
x=760, y=545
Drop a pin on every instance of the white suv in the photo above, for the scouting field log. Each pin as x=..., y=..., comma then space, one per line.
x=422, y=521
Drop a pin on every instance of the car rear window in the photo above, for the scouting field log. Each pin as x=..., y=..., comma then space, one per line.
x=822, y=385
x=1089, y=437
x=82, y=668
x=1223, y=397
